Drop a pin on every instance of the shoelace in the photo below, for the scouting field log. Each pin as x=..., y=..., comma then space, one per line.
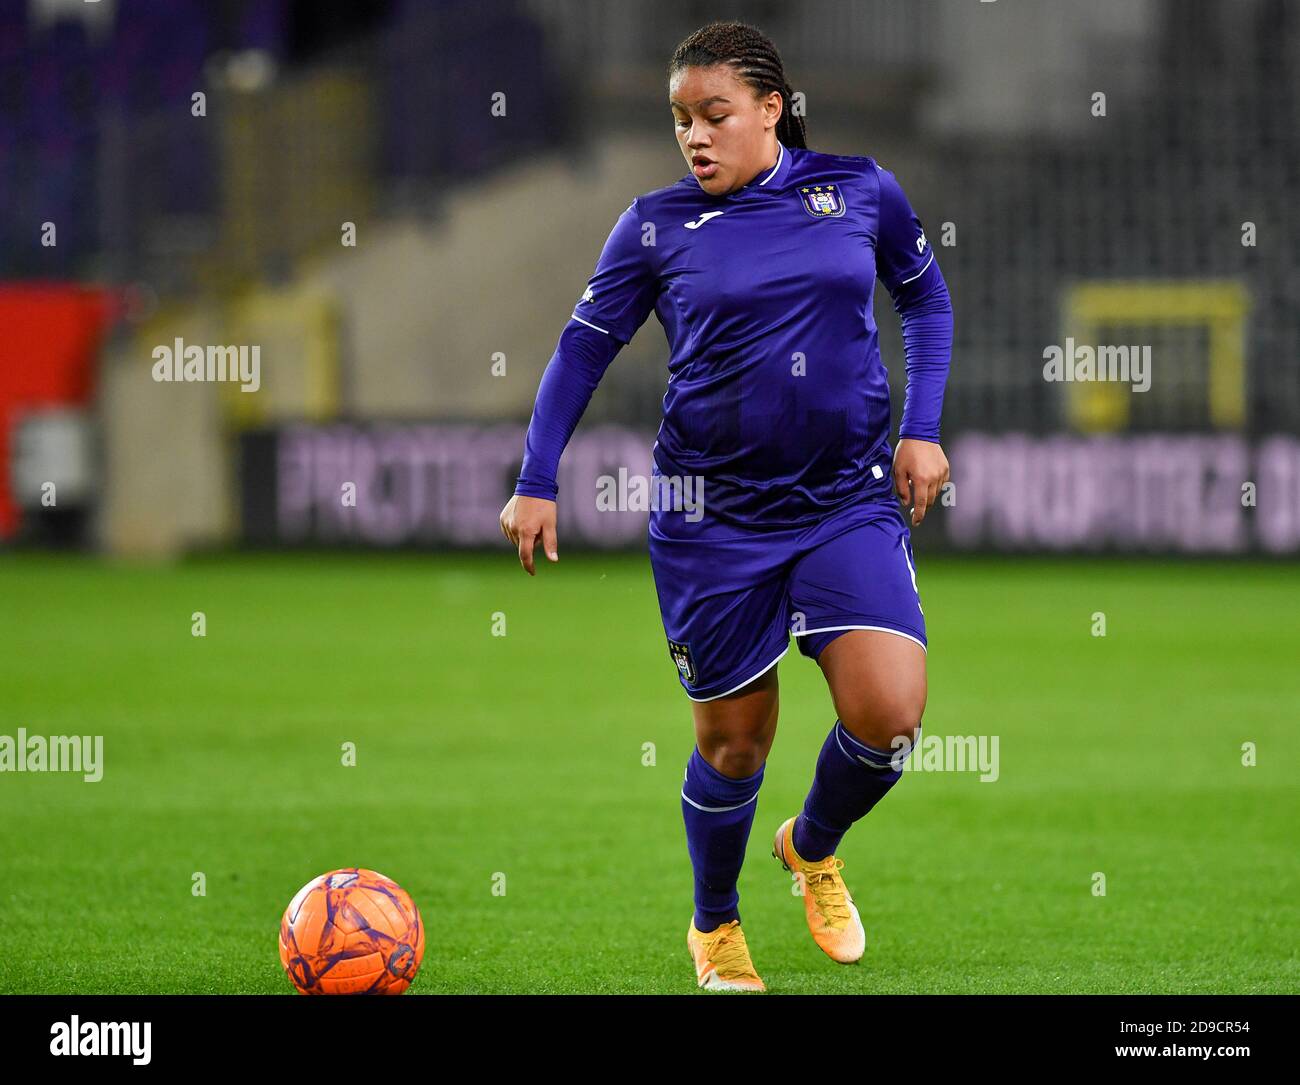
x=829, y=892
x=730, y=955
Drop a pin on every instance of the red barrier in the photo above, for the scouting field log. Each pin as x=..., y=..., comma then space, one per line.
x=50, y=336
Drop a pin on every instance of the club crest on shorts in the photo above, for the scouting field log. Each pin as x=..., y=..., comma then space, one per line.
x=822, y=201
x=681, y=654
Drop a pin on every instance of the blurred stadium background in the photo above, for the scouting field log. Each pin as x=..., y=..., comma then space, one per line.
x=1170, y=222
x=133, y=213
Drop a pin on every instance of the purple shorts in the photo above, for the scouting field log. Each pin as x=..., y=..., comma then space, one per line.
x=731, y=596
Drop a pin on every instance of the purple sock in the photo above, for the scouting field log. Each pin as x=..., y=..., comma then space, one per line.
x=851, y=777
x=718, y=811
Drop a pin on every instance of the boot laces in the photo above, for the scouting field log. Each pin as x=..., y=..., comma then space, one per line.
x=729, y=953
x=829, y=891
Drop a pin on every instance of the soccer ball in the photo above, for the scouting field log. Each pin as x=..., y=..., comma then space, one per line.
x=351, y=932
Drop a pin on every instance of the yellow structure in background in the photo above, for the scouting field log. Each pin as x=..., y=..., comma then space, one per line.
x=1217, y=304
x=297, y=162
x=297, y=331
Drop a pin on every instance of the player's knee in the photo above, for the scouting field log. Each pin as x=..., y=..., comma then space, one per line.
x=881, y=721
x=740, y=759
x=736, y=756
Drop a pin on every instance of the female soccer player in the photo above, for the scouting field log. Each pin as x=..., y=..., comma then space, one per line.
x=760, y=264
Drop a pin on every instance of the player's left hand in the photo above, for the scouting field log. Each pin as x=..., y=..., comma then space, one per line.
x=920, y=470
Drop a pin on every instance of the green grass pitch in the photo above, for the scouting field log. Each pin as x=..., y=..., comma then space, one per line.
x=480, y=756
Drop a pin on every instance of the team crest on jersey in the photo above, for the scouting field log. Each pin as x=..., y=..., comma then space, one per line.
x=822, y=201
x=681, y=654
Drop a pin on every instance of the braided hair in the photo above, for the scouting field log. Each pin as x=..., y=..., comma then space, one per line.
x=756, y=63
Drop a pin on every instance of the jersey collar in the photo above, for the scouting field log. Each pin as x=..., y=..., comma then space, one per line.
x=773, y=177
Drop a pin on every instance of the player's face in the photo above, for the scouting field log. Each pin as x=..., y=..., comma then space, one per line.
x=724, y=131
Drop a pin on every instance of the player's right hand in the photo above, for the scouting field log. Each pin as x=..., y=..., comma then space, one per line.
x=523, y=520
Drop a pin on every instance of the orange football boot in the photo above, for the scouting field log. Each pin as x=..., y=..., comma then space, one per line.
x=832, y=916
x=722, y=959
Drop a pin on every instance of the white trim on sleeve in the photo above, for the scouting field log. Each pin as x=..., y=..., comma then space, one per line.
x=922, y=271
x=589, y=324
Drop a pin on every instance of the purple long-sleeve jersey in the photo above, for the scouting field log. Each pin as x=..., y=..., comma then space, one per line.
x=777, y=396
